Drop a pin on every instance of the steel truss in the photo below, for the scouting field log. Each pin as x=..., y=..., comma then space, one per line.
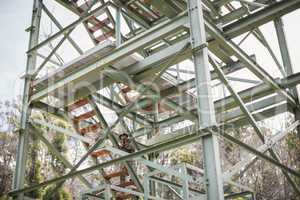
x=140, y=62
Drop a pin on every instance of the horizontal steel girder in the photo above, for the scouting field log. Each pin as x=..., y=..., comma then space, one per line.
x=175, y=142
x=160, y=31
x=52, y=149
x=230, y=120
x=247, y=95
x=105, y=101
x=73, y=25
x=162, y=147
x=260, y=17
x=243, y=57
x=221, y=105
x=150, y=36
x=246, y=162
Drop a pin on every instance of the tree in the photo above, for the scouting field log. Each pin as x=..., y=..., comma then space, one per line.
x=34, y=166
x=8, y=144
x=61, y=194
x=59, y=168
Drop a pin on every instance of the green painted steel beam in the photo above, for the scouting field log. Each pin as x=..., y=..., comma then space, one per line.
x=52, y=149
x=157, y=148
x=246, y=162
x=247, y=95
x=231, y=119
x=112, y=137
x=243, y=57
x=175, y=142
x=206, y=116
x=260, y=17
x=231, y=32
x=137, y=18
x=60, y=27
x=23, y=143
x=251, y=120
x=256, y=19
x=69, y=27
x=261, y=155
x=127, y=48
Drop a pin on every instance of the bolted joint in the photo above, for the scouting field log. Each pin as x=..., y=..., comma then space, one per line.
x=199, y=48
x=27, y=76
x=193, y=8
x=34, y=10
x=270, y=143
x=30, y=29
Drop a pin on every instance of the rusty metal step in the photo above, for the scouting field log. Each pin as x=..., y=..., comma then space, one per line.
x=91, y=128
x=84, y=116
x=104, y=36
x=99, y=25
x=100, y=153
x=77, y=104
x=123, y=196
x=122, y=172
x=126, y=184
x=95, y=21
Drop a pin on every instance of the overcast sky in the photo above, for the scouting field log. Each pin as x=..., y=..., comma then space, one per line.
x=15, y=16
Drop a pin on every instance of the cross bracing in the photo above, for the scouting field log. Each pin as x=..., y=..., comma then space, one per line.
x=154, y=69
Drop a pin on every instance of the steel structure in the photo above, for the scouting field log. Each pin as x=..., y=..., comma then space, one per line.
x=133, y=70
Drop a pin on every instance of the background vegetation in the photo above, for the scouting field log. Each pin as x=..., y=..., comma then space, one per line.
x=267, y=181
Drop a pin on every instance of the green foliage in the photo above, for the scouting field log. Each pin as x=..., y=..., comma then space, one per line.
x=62, y=194
x=183, y=155
x=4, y=198
x=57, y=164
x=293, y=142
x=34, y=165
x=35, y=178
x=58, y=142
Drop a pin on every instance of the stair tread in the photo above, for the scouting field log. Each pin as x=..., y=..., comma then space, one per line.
x=126, y=183
x=78, y=104
x=122, y=196
x=122, y=172
x=84, y=116
x=104, y=36
x=99, y=25
x=100, y=153
x=91, y=128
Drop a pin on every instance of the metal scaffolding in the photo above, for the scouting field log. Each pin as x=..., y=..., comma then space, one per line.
x=131, y=80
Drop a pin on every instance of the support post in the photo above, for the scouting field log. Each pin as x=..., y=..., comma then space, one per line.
x=52, y=149
x=146, y=188
x=287, y=64
x=114, y=141
x=118, y=26
x=251, y=120
x=185, y=184
x=107, y=193
x=286, y=59
x=206, y=111
x=19, y=177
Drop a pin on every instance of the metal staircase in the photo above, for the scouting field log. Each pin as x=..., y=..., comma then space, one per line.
x=99, y=26
x=87, y=123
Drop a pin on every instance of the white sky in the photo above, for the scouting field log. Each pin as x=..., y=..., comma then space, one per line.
x=15, y=16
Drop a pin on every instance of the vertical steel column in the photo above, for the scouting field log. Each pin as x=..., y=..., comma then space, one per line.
x=286, y=59
x=146, y=188
x=107, y=193
x=185, y=184
x=118, y=26
x=206, y=111
x=30, y=67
